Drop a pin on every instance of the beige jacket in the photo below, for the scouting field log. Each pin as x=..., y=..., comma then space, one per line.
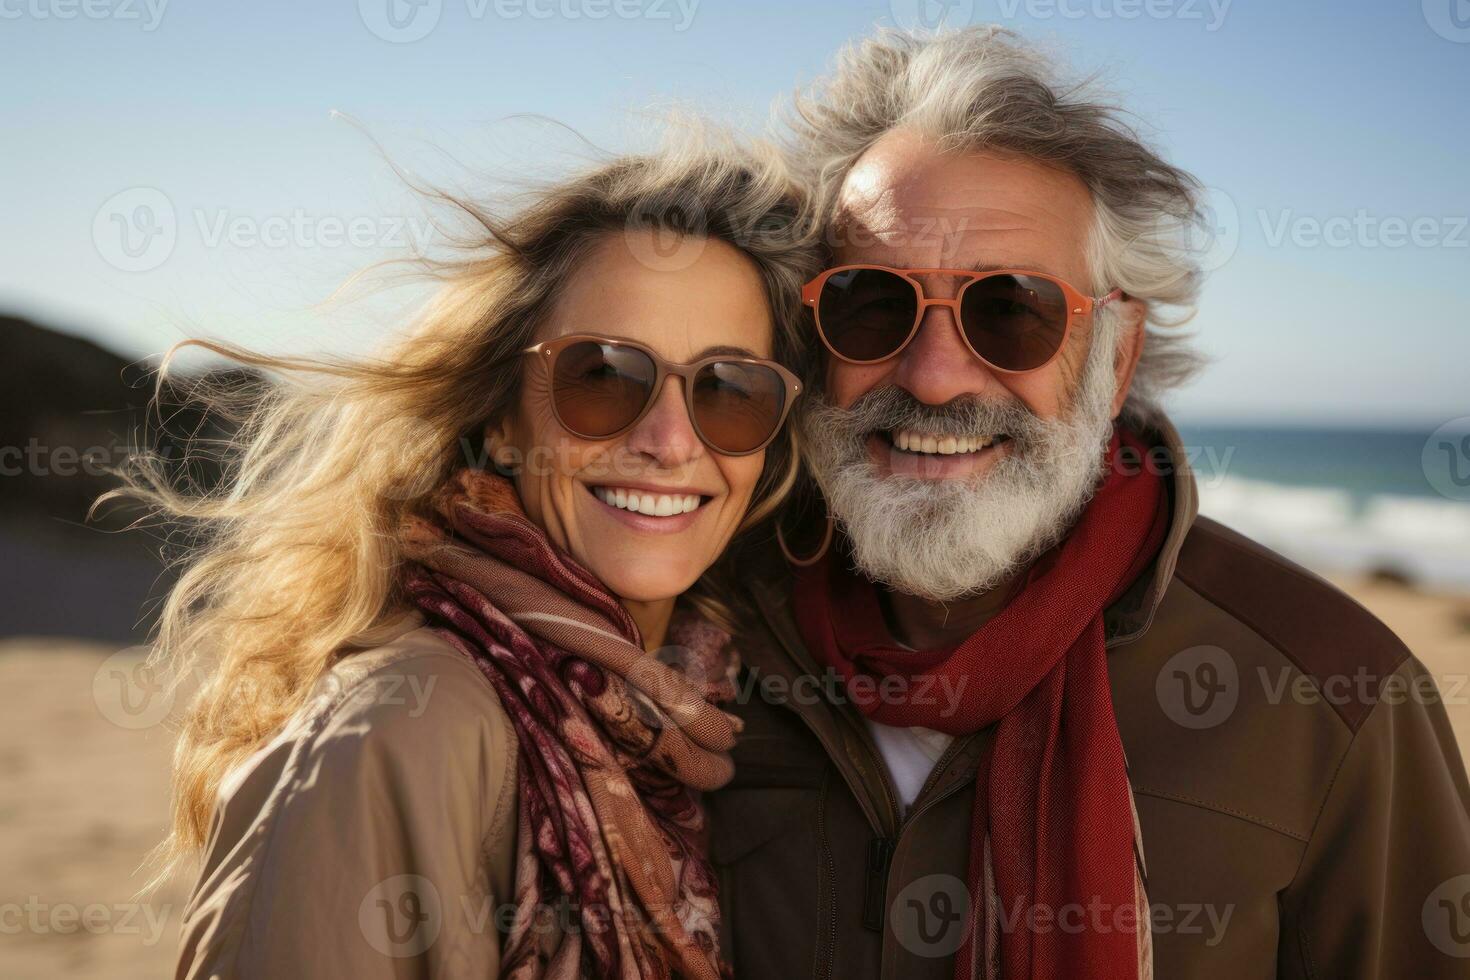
x=374, y=837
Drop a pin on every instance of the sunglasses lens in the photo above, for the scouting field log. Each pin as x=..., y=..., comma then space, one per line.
x=599, y=389
x=1016, y=323
x=737, y=406
x=866, y=314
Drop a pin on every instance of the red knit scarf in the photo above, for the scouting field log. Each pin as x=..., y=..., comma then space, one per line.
x=1054, y=831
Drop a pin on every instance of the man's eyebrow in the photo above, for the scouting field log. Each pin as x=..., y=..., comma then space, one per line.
x=725, y=350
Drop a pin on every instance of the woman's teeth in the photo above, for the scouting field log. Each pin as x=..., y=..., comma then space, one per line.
x=643, y=502
x=918, y=442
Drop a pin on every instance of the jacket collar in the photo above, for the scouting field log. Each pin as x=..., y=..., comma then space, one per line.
x=1130, y=617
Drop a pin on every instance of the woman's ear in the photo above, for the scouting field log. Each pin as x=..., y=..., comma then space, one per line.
x=499, y=448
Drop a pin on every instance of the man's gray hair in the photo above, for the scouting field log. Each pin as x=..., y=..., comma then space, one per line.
x=983, y=88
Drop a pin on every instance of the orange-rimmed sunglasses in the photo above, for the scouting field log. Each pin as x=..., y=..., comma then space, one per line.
x=603, y=386
x=1015, y=320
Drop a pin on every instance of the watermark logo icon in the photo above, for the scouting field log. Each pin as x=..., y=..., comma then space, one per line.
x=385, y=453
x=400, y=21
x=1446, y=917
x=1450, y=19
x=931, y=915
x=136, y=230
x=130, y=692
x=1207, y=238
x=932, y=15
x=667, y=236
x=401, y=916
x=1199, y=687
x=1446, y=459
x=1213, y=239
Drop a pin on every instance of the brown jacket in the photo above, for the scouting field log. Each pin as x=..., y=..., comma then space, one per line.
x=374, y=837
x=1304, y=808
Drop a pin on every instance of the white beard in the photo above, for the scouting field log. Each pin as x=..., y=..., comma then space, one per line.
x=944, y=538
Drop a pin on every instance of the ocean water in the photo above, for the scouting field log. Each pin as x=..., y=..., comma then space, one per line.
x=1391, y=501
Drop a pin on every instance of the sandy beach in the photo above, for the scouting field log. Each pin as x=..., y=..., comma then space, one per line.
x=83, y=798
x=83, y=791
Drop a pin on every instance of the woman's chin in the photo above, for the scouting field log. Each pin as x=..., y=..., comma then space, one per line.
x=643, y=590
x=644, y=577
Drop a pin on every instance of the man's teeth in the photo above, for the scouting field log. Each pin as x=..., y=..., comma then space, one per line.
x=918, y=442
x=643, y=502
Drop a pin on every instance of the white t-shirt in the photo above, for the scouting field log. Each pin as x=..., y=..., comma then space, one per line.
x=910, y=754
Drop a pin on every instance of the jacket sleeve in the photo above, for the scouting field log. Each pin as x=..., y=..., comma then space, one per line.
x=1383, y=890
x=372, y=839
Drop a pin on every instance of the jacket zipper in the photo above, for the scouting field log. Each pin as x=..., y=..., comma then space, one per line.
x=942, y=763
x=824, y=847
x=881, y=849
x=885, y=781
x=875, y=894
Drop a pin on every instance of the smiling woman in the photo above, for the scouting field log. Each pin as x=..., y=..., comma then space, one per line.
x=681, y=446
x=619, y=350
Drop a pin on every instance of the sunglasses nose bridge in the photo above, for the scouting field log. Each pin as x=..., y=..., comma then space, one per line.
x=665, y=427
x=952, y=302
x=672, y=377
x=953, y=305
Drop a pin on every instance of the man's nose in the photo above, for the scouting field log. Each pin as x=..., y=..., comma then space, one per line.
x=937, y=366
x=666, y=434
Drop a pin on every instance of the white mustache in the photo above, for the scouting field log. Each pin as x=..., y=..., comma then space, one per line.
x=890, y=408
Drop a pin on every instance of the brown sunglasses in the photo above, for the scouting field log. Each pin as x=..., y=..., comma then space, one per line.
x=603, y=386
x=1014, y=320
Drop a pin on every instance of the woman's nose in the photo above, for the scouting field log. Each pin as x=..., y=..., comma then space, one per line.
x=666, y=433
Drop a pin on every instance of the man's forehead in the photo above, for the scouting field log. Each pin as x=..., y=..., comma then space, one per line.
x=891, y=212
x=879, y=191
x=882, y=185
x=913, y=196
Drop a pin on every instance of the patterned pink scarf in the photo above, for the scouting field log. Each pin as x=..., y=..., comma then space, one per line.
x=615, y=743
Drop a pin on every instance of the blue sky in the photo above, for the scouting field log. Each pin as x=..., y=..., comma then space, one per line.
x=1336, y=137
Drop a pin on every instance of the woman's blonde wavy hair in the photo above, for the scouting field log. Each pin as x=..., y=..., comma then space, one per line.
x=296, y=552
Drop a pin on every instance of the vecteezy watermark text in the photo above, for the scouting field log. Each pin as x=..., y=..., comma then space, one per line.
x=136, y=230
x=41, y=918
x=1364, y=229
x=1211, y=13
x=406, y=21
x=147, y=13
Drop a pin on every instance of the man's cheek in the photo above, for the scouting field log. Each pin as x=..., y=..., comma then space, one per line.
x=846, y=383
x=832, y=382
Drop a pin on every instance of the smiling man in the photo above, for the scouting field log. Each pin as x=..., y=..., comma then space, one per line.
x=1068, y=728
